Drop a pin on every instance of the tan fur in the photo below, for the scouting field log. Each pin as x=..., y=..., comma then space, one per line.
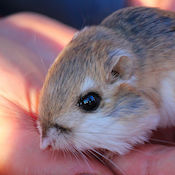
x=146, y=36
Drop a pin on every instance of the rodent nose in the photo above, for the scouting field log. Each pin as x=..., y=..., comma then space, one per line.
x=44, y=142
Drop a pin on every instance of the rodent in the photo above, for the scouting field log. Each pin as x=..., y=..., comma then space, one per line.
x=112, y=84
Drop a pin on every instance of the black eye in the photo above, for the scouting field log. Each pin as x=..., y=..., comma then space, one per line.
x=90, y=102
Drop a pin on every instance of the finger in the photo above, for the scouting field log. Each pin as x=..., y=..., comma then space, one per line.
x=20, y=153
x=47, y=27
x=167, y=5
x=29, y=43
x=22, y=49
x=149, y=159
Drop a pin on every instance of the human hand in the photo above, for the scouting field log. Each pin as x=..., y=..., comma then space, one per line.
x=28, y=45
x=163, y=4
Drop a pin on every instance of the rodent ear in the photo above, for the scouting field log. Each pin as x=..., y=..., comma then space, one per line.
x=121, y=67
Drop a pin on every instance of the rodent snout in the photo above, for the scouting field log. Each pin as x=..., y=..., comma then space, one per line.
x=55, y=136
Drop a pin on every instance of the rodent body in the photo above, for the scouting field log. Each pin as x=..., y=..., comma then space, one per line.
x=113, y=84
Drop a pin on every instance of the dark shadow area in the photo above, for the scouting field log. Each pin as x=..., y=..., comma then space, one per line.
x=75, y=13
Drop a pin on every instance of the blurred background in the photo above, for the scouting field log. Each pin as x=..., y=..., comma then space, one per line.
x=77, y=13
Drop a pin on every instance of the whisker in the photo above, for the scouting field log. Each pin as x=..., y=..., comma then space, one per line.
x=163, y=141
x=35, y=42
x=111, y=162
x=53, y=156
x=12, y=106
x=93, y=154
x=85, y=160
x=75, y=155
x=44, y=64
x=99, y=133
x=107, y=159
x=119, y=137
x=64, y=153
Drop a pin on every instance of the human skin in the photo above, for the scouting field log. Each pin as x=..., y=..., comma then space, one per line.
x=163, y=4
x=28, y=45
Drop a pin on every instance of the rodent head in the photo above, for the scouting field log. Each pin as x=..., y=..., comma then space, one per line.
x=89, y=98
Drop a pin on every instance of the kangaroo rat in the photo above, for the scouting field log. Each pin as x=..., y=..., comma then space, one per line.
x=113, y=84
